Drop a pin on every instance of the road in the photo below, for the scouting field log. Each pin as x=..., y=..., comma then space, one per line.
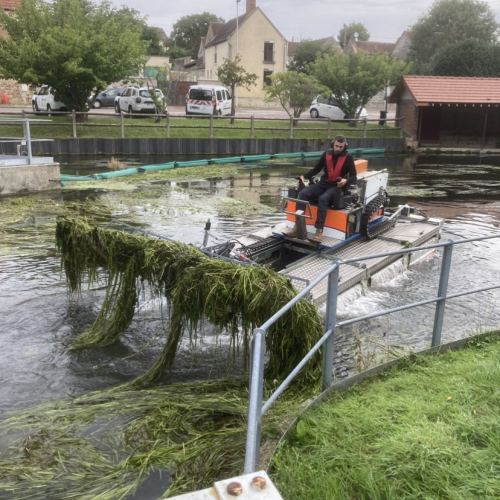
x=258, y=113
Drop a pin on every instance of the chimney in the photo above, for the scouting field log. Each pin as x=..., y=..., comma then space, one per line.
x=251, y=4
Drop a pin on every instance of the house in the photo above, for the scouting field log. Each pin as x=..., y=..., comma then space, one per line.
x=17, y=93
x=449, y=111
x=262, y=48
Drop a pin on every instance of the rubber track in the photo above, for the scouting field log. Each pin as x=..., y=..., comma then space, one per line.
x=372, y=208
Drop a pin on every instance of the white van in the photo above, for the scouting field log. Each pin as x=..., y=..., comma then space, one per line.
x=208, y=100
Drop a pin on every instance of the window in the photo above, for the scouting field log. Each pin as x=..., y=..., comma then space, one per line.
x=228, y=97
x=215, y=54
x=219, y=96
x=267, y=74
x=269, y=51
x=322, y=100
x=200, y=94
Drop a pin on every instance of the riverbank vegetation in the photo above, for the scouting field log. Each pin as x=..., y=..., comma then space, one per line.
x=427, y=428
x=108, y=127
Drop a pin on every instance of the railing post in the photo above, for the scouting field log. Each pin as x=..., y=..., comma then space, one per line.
x=291, y=128
x=401, y=125
x=364, y=128
x=442, y=291
x=329, y=133
x=251, y=127
x=211, y=126
x=28, y=141
x=122, y=124
x=330, y=320
x=257, y=350
x=73, y=118
x=23, y=114
x=168, y=126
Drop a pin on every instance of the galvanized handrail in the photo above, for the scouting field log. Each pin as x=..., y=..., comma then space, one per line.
x=257, y=346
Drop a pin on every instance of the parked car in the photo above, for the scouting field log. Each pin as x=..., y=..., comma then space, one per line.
x=105, y=99
x=46, y=100
x=325, y=108
x=208, y=100
x=138, y=100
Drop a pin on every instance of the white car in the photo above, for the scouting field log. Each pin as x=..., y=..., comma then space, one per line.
x=138, y=100
x=45, y=100
x=324, y=108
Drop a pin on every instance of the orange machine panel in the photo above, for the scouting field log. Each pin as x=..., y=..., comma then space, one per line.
x=361, y=165
x=334, y=218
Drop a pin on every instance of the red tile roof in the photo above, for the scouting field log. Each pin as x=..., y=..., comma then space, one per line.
x=448, y=89
x=9, y=4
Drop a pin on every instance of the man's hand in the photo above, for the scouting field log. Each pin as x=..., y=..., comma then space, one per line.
x=342, y=183
x=299, y=181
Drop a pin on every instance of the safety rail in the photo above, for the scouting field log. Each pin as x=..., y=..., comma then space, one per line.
x=27, y=134
x=211, y=119
x=255, y=408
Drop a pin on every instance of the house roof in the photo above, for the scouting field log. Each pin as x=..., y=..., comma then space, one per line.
x=160, y=31
x=224, y=31
x=9, y=4
x=371, y=47
x=427, y=90
x=196, y=64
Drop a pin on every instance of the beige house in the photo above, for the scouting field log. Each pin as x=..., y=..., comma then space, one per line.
x=262, y=48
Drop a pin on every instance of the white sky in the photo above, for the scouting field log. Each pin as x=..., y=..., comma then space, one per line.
x=384, y=19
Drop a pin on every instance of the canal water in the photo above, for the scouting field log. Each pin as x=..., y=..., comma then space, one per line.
x=37, y=316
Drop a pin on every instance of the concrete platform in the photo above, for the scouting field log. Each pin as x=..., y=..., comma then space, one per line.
x=20, y=179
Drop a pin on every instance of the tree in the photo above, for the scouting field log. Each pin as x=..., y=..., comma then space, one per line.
x=448, y=22
x=188, y=30
x=294, y=91
x=306, y=53
x=232, y=75
x=347, y=31
x=472, y=57
x=354, y=79
x=75, y=47
x=150, y=34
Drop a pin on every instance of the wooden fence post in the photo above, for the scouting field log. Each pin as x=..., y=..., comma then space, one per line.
x=364, y=128
x=122, y=125
x=401, y=125
x=73, y=118
x=168, y=126
x=211, y=126
x=329, y=135
x=251, y=127
x=291, y=128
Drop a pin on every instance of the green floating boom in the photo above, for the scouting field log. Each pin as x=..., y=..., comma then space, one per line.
x=75, y=178
x=256, y=157
x=288, y=155
x=195, y=163
x=119, y=173
x=154, y=168
x=234, y=159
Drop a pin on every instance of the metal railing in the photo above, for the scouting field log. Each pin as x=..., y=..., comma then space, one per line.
x=27, y=134
x=212, y=120
x=255, y=408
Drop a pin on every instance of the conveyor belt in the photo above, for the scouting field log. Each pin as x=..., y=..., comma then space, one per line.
x=301, y=273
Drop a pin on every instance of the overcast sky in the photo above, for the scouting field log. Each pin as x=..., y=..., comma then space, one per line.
x=384, y=19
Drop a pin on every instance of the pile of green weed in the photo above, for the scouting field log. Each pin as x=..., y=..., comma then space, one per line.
x=234, y=298
x=426, y=429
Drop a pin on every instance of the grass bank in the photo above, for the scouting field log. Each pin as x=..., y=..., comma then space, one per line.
x=425, y=429
x=60, y=127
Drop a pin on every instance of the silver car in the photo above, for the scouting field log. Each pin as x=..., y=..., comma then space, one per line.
x=324, y=108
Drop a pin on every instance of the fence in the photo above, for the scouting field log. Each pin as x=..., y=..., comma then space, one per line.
x=211, y=126
x=255, y=408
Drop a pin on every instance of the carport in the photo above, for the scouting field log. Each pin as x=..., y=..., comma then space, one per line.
x=449, y=111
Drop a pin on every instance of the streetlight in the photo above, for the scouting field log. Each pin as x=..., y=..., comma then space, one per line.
x=237, y=22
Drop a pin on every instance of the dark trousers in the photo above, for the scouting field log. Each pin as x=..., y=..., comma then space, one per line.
x=325, y=195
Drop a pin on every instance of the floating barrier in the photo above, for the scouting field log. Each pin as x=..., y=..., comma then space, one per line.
x=213, y=161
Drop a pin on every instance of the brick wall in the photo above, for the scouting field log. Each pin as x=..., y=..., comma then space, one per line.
x=408, y=111
x=16, y=92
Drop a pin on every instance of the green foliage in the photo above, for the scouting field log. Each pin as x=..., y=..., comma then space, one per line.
x=347, y=31
x=448, y=22
x=150, y=34
x=472, y=57
x=305, y=53
x=188, y=30
x=293, y=91
x=232, y=75
x=354, y=79
x=74, y=47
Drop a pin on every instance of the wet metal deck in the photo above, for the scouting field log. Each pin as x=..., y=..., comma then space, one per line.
x=404, y=234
